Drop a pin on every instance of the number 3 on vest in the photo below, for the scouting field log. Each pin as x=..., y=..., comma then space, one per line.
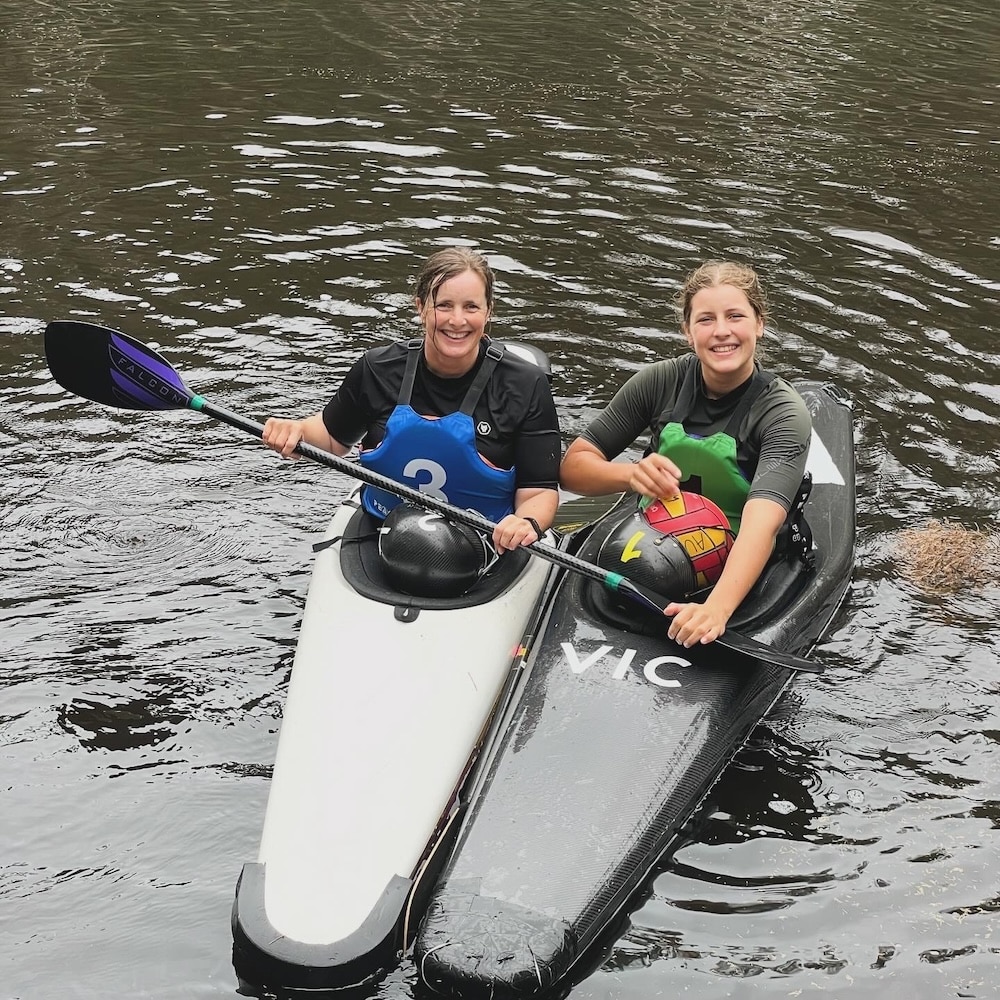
x=433, y=486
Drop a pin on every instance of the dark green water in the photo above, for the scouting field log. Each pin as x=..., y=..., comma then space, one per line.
x=250, y=191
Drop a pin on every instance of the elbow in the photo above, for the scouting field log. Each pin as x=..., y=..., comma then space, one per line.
x=574, y=480
x=576, y=471
x=567, y=478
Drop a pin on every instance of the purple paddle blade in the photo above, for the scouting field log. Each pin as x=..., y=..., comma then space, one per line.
x=141, y=380
x=112, y=368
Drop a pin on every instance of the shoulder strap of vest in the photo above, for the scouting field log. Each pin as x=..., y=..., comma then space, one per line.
x=690, y=377
x=410, y=372
x=684, y=403
x=494, y=353
x=759, y=381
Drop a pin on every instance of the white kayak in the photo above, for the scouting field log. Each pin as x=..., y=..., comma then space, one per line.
x=389, y=702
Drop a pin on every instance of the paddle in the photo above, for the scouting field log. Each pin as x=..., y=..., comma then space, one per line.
x=581, y=512
x=112, y=368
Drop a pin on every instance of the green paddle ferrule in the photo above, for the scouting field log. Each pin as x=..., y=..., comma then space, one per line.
x=196, y=402
x=612, y=580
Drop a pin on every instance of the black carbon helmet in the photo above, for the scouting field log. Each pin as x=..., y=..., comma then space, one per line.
x=648, y=557
x=425, y=555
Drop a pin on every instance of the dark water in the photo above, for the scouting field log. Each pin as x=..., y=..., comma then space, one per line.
x=250, y=190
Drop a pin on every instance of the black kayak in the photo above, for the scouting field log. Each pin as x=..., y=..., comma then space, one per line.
x=613, y=740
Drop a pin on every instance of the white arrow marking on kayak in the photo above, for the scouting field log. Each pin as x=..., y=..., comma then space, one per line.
x=821, y=464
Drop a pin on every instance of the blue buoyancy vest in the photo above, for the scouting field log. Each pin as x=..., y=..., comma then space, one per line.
x=438, y=455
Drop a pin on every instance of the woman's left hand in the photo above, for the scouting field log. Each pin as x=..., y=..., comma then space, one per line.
x=512, y=532
x=694, y=623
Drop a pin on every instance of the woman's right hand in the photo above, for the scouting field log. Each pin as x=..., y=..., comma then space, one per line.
x=282, y=435
x=655, y=476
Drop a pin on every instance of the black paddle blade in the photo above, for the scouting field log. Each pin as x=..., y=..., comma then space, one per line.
x=583, y=512
x=112, y=368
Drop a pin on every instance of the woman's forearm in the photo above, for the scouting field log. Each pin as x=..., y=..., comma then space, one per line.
x=538, y=504
x=283, y=434
x=585, y=470
x=750, y=553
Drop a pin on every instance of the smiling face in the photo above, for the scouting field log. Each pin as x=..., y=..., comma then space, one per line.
x=723, y=329
x=454, y=319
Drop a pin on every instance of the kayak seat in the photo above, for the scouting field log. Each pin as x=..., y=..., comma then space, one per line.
x=364, y=570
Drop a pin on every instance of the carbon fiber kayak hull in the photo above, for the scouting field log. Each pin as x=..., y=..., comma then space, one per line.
x=613, y=739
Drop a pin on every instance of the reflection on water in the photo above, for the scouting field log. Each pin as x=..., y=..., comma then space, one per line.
x=249, y=190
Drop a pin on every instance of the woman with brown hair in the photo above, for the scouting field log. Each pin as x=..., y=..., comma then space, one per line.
x=450, y=414
x=719, y=426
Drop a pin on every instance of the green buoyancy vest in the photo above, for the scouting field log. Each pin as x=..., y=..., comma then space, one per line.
x=709, y=464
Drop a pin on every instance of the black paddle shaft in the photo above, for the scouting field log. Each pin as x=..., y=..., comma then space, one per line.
x=114, y=369
x=614, y=581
